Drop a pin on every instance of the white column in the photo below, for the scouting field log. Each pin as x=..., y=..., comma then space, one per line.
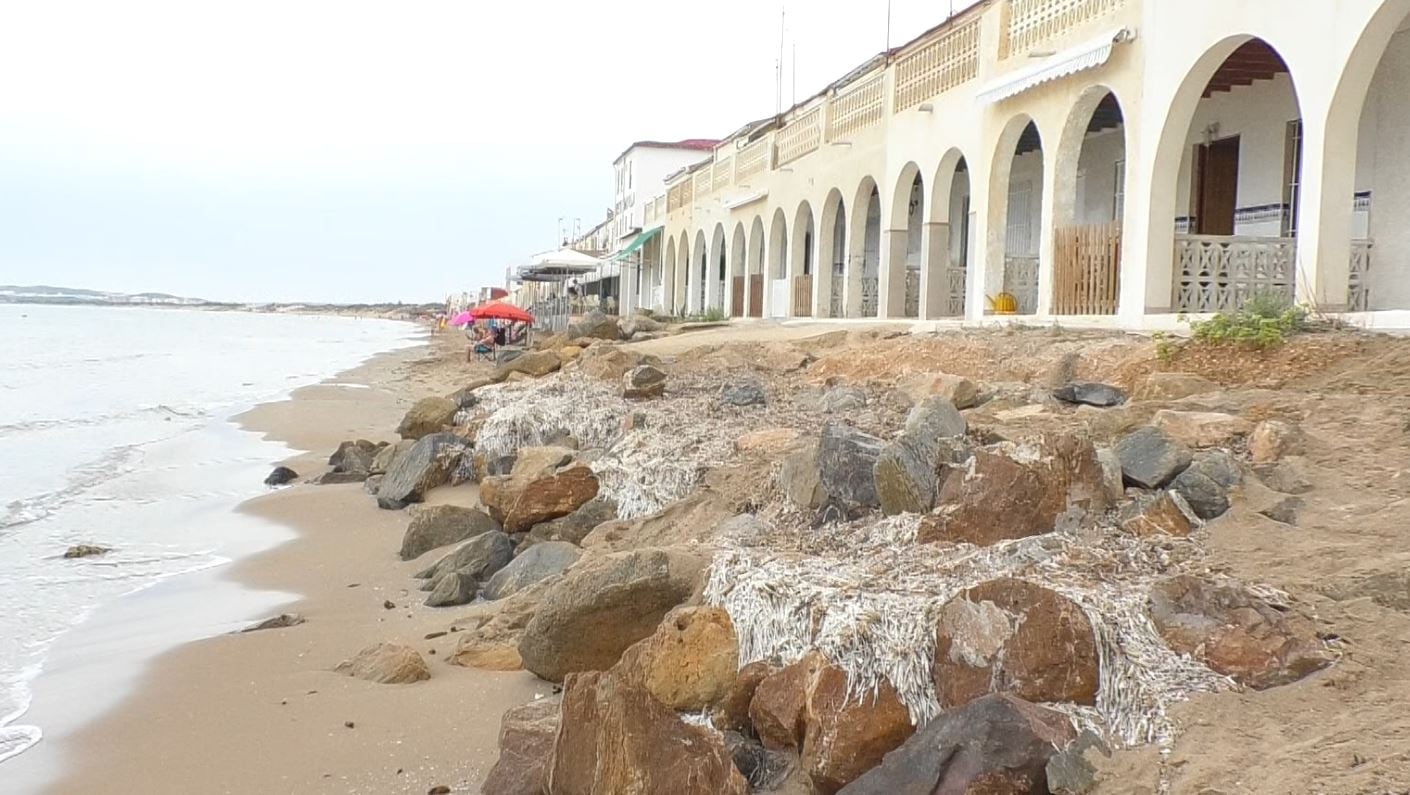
x=934, y=270
x=1324, y=220
x=891, y=287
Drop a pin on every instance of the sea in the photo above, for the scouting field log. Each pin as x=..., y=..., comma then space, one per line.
x=116, y=431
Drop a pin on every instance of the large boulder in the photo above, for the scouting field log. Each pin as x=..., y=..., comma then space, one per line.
x=428, y=416
x=996, y=745
x=533, y=364
x=612, y=363
x=614, y=737
x=809, y=706
x=537, y=563
x=690, y=661
x=526, y=736
x=479, y=558
x=1236, y=632
x=1273, y=439
x=747, y=392
x=1166, y=515
x=355, y=457
x=1086, y=393
x=1011, y=636
x=576, y=526
x=438, y=526
x=539, y=461
x=844, y=399
x=596, y=325
x=1150, y=459
x=603, y=606
x=800, y=479
x=428, y=464
x=731, y=713
x=281, y=476
x=635, y=324
x=387, y=664
x=521, y=501
x=453, y=589
x=1172, y=386
x=382, y=462
x=960, y=391
x=643, y=383
x=847, y=466
x=907, y=472
x=1202, y=428
x=1007, y=491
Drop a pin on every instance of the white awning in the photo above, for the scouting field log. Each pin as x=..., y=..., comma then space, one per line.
x=750, y=199
x=1070, y=61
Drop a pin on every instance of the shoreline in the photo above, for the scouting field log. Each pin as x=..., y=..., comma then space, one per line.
x=218, y=690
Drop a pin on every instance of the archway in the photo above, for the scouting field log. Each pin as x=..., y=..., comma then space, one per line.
x=776, y=297
x=1089, y=204
x=904, y=235
x=754, y=299
x=950, y=252
x=801, y=265
x=664, y=300
x=737, y=258
x=1231, y=149
x=1016, y=213
x=832, y=257
x=699, y=271
x=680, y=296
x=715, y=294
x=864, y=252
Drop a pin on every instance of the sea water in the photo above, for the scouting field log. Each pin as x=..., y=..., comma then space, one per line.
x=115, y=431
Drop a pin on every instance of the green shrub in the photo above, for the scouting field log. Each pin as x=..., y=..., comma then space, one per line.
x=1266, y=320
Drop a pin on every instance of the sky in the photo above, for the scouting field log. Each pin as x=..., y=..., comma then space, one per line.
x=337, y=150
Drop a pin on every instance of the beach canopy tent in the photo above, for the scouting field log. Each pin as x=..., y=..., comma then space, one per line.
x=559, y=265
x=498, y=310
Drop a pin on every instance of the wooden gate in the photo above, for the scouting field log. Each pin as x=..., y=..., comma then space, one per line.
x=737, y=296
x=802, y=296
x=756, y=295
x=1086, y=269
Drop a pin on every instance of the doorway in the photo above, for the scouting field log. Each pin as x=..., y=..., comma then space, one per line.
x=1216, y=188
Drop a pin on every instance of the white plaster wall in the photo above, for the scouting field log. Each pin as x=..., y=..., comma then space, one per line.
x=1025, y=219
x=1096, y=193
x=1383, y=168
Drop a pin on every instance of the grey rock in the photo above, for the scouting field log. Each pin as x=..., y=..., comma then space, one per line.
x=844, y=400
x=907, y=471
x=574, y=527
x=604, y=605
x=480, y=558
x=643, y=382
x=1086, y=393
x=595, y=325
x=1219, y=466
x=765, y=770
x=373, y=483
x=281, y=476
x=1285, y=510
x=1069, y=771
x=744, y=393
x=452, y=590
x=537, y=563
x=282, y=621
x=428, y=416
x=1288, y=476
x=340, y=478
x=997, y=738
x=388, y=455
x=936, y=418
x=1204, y=496
x=443, y=525
x=1150, y=459
x=428, y=464
x=847, y=466
x=354, y=456
x=800, y=480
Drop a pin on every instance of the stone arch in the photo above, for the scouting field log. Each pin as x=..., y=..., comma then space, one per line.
x=1090, y=178
x=699, y=262
x=802, y=264
x=905, y=234
x=777, y=262
x=754, y=290
x=1171, y=158
x=1016, y=200
x=864, y=251
x=679, y=302
x=738, y=256
x=668, y=277
x=949, y=247
x=831, y=272
x=718, y=276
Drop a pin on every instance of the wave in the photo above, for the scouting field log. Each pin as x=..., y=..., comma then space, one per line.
x=83, y=478
x=15, y=740
x=161, y=409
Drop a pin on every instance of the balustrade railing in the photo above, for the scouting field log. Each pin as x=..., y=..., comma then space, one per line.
x=673, y=197
x=957, y=280
x=1218, y=273
x=871, y=296
x=1021, y=281
x=687, y=192
x=858, y=109
x=802, y=136
x=1358, y=290
x=724, y=173
x=937, y=67
x=752, y=159
x=1028, y=23
x=703, y=182
x=834, y=304
x=912, y=292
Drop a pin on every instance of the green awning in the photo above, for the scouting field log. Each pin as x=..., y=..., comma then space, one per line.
x=641, y=240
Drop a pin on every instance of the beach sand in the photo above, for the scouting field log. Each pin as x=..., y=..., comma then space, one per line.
x=263, y=712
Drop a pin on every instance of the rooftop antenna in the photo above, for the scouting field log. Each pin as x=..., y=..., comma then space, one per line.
x=794, y=100
x=888, y=29
x=778, y=94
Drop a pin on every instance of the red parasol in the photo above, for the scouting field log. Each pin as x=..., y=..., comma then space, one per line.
x=496, y=310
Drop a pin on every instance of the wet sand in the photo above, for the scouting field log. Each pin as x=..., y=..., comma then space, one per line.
x=263, y=712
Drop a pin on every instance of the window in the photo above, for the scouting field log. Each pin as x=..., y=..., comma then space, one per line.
x=629, y=175
x=1118, y=192
x=1292, y=178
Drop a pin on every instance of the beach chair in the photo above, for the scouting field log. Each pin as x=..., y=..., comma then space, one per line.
x=486, y=353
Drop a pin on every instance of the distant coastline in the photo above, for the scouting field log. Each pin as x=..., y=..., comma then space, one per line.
x=63, y=296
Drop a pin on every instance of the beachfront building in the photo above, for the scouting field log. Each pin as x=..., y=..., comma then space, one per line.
x=1114, y=161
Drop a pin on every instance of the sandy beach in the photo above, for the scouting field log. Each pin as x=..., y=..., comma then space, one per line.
x=263, y=711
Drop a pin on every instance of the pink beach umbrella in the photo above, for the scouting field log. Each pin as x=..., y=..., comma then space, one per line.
x=463, y=319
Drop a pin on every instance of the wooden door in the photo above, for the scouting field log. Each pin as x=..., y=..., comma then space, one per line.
x=737, y=306
x=756, y=295
x=1216, y=186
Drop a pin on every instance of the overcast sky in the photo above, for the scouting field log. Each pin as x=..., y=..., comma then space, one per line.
x=364, y=151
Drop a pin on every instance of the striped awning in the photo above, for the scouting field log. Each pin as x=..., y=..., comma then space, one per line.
x=1090, y=55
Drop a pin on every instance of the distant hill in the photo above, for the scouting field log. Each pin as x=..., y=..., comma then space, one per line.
x=44, y=294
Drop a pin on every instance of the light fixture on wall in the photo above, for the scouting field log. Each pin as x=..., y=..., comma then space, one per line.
x=926, y=108
x=1211, y=133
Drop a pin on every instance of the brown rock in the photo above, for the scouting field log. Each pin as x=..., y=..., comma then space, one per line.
x=387, y=664
x=643, y=383
x=526, y=736
x=1010, y=636
x=770, y=442
x=539, y=461
x=490, y=640
x=1007, y=492
x=1201, y=428
x=428, y=416
x=693, y=519
x=1172, y=386
x=531, y=364
x=569, y=353
x=732, y=711
x=612, y=363
x=1273, y=439
x=800, y=479
x=519, y=502
x=959, y=390
x=1236, y=632
x=1166, y=515
x=691, y=660
x=777, y=707
x=615, y=738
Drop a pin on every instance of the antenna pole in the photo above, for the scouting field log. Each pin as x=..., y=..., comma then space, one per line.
x=888, y=29
x=778, y=95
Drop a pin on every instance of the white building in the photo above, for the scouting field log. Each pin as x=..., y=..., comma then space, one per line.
x=1094, y=158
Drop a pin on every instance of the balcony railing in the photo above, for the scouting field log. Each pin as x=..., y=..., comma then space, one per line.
x=673, y=197
x=858, y=109
x=802, y=136
x=1021, y=281
x=1358, y=291
x=724, y=172
x=1218, y=274
x=703, y=182
x=947, y=62
x=1029, y=23
x=752, y=159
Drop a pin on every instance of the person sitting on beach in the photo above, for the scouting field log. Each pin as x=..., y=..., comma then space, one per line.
x=482, y=342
